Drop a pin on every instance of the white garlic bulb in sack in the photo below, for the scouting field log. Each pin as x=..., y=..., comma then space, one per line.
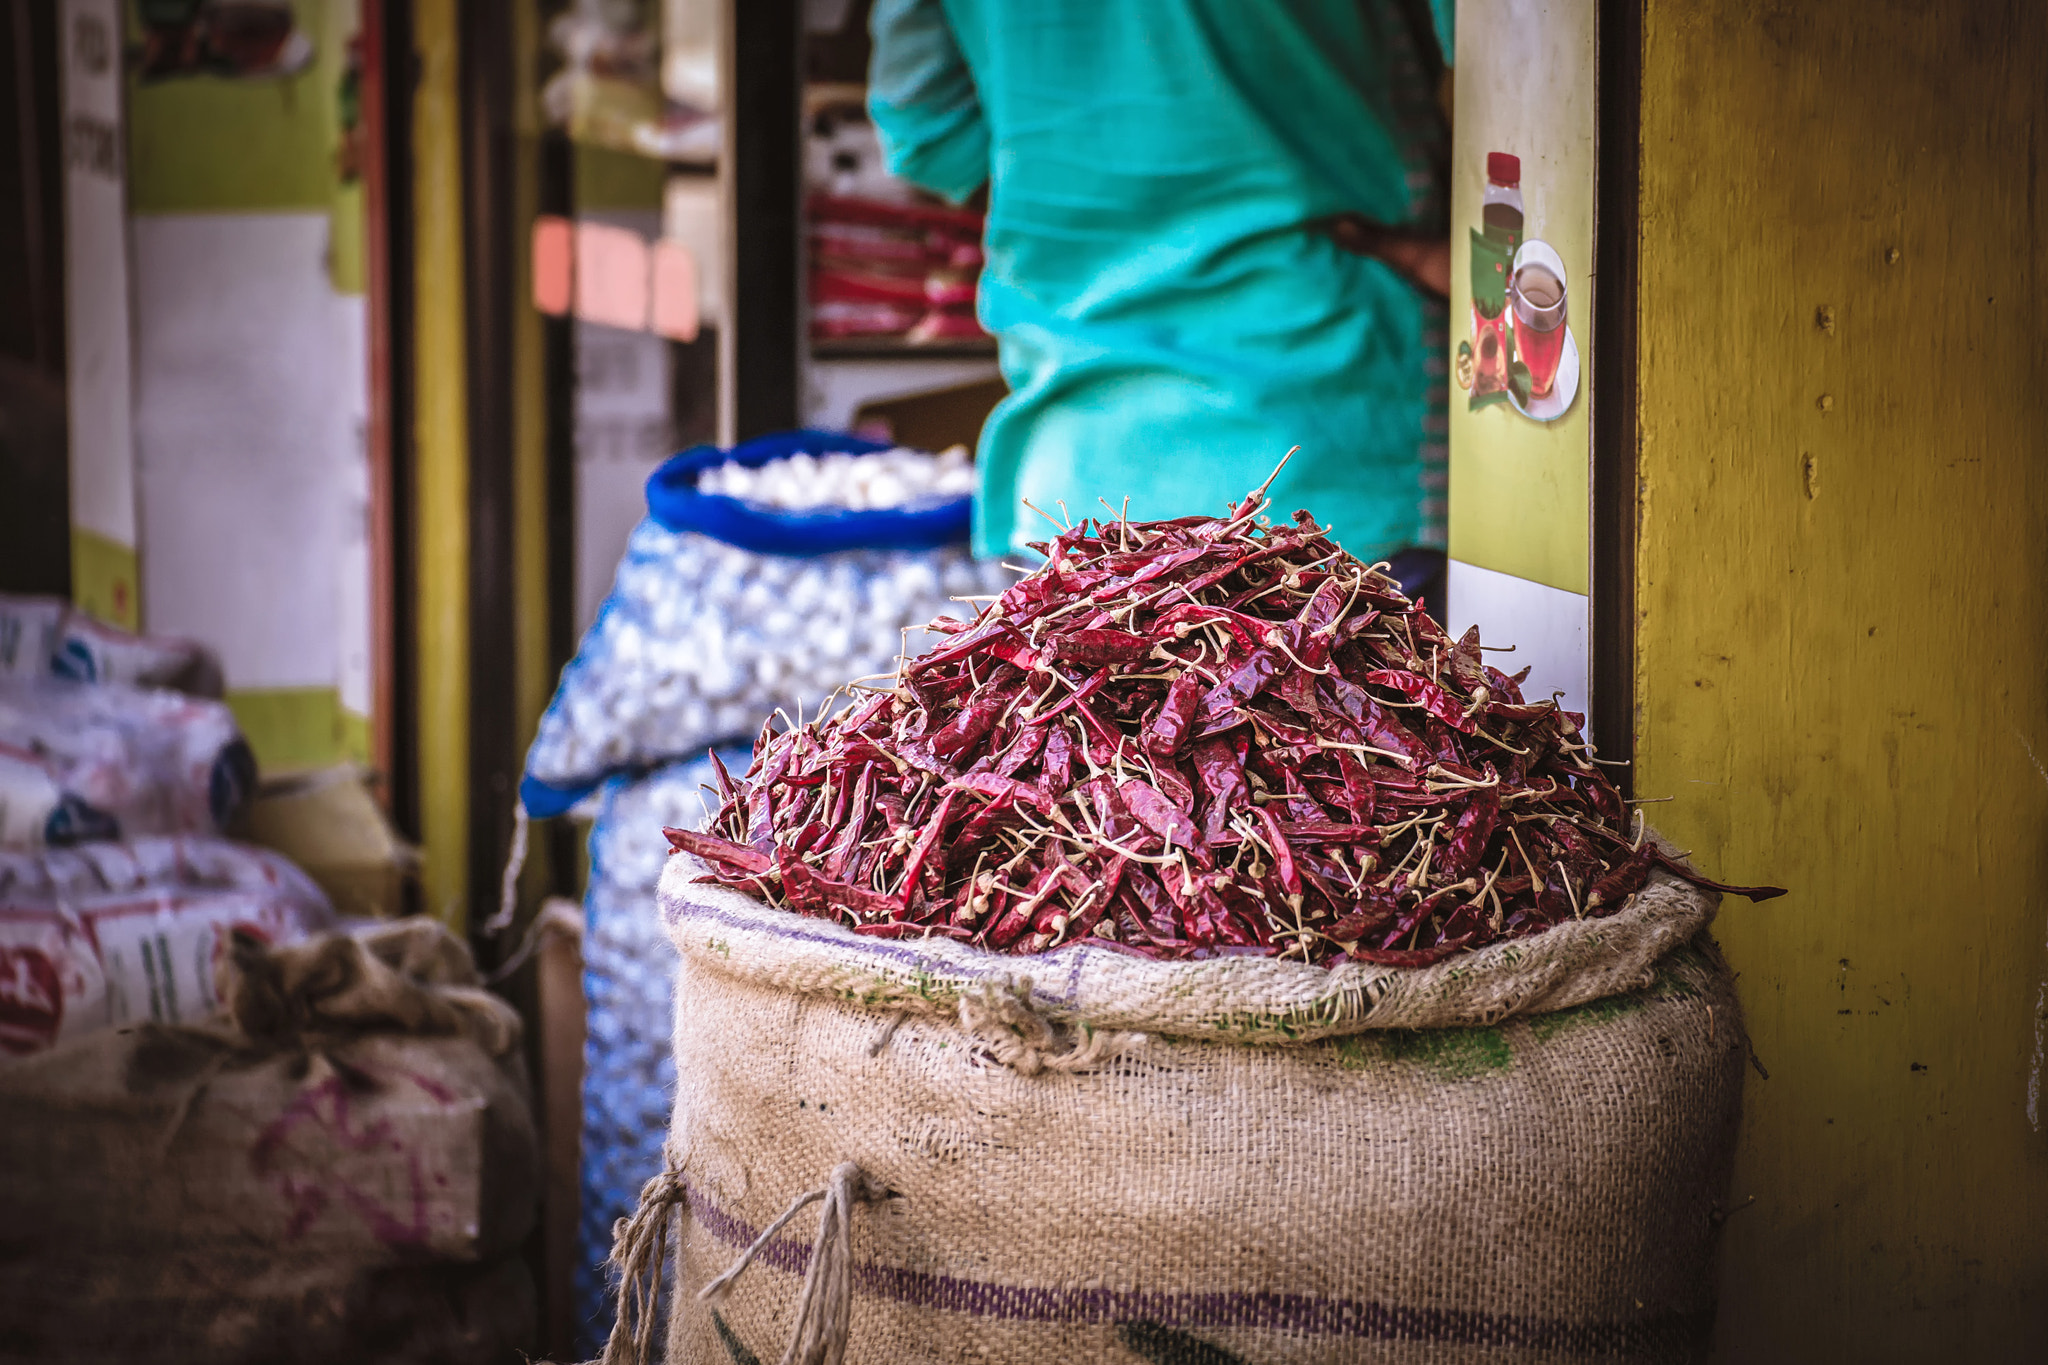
x=702, y=640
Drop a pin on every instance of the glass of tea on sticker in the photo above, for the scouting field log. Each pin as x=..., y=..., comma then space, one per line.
x=1536, y=296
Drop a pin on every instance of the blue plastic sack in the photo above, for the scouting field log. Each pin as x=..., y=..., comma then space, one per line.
x=723, y=611
x=628, y=985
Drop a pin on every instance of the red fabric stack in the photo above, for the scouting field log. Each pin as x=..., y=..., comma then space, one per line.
x=899, y=271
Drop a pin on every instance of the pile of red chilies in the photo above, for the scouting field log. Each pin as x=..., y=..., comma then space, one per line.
x=1184, y=739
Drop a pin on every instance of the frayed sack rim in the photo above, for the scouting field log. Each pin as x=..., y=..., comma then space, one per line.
x=1233, y=999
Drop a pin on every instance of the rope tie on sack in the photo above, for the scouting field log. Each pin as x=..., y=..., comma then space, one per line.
x=508, y=880
x=1002, y=1020
x=825, y=1307
x=639, y=1249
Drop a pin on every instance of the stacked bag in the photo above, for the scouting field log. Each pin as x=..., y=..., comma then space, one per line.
x=232, y=1127
x=764, y=577
x=119, y=769
x=42, y=636
x=111, y=935
x=338, y=1167
x=888, y=262
x=891, y=271
x=105, y=735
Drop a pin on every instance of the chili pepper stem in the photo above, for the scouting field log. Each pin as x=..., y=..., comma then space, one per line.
x=1281, y=645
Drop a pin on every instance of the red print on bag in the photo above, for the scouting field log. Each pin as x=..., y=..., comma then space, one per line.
x=31, y=1001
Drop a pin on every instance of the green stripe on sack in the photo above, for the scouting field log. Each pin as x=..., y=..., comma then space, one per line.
x=734, y=1347
x=1677, y=979
x=1451, y=1053
x=1168, y=1346
x=1548, y=1026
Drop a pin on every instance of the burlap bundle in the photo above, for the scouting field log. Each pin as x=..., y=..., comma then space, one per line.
x=1514, y=1156
x=341, y=1169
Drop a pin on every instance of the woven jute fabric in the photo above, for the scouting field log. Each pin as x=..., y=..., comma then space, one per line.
x=1519, y=1156
x=1244, y=999
x=340, y=1168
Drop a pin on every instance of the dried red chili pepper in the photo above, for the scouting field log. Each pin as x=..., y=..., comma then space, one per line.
x=1163, y=818
x=719, y=851
x=1622, y=881
x=1169, y=725
x=1181, y=738
x=1102, y=647
x=1411, y=957
x=1420, y=689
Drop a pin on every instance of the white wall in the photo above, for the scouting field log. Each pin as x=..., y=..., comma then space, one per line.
x=96, y=273
x=251, y=391
x=1547, y=627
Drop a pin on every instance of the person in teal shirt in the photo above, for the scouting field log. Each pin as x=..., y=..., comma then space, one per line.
x=1172, y=188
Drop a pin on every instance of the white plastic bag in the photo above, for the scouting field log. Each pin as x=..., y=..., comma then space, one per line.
x=80, y=761
x=109, y=934
x=43, y=636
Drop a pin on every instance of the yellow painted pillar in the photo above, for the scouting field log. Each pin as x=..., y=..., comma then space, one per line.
x=441, y=466
x=1840, y=670
x=534, y=680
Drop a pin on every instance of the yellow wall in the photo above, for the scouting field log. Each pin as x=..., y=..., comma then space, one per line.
x=441, y=477
x=1840, y=671
x=442, y=482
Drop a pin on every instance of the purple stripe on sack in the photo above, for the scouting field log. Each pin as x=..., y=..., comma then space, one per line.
x=1294, y=1314
x=1072, y=998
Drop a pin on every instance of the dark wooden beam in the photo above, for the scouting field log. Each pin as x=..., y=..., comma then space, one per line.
x=557, y=195
x=490, y=237
x=764, y=166
x=1617, y=192
x=390, y=71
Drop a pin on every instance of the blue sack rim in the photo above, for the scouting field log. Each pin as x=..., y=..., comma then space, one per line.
x=546, y=800
x=674, y=503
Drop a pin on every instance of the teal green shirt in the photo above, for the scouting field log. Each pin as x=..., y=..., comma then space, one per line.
x=1168, y=326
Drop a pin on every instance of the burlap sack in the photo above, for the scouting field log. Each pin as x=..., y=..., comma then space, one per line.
x=283, y=1182
x=1515, y=1156
x=209, y=1309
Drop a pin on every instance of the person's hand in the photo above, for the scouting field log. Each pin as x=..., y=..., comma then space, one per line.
x=1423, y=259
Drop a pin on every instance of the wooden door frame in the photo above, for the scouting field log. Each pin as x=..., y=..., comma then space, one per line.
x=389, y=70
x=762, y=163
x=1614, y=488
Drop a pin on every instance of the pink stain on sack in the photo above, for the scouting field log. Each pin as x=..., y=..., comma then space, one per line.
x=432, y=1088
x=324, y=1112
x=611, y=276
x=553, y=264
x=307, y=1202
x=386, y=1226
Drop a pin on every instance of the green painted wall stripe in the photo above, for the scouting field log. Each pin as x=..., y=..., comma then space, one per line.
x=105, y=579
x=299, y=727
x=200, y=144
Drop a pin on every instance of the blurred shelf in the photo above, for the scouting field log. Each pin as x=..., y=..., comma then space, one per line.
x=889, y=348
